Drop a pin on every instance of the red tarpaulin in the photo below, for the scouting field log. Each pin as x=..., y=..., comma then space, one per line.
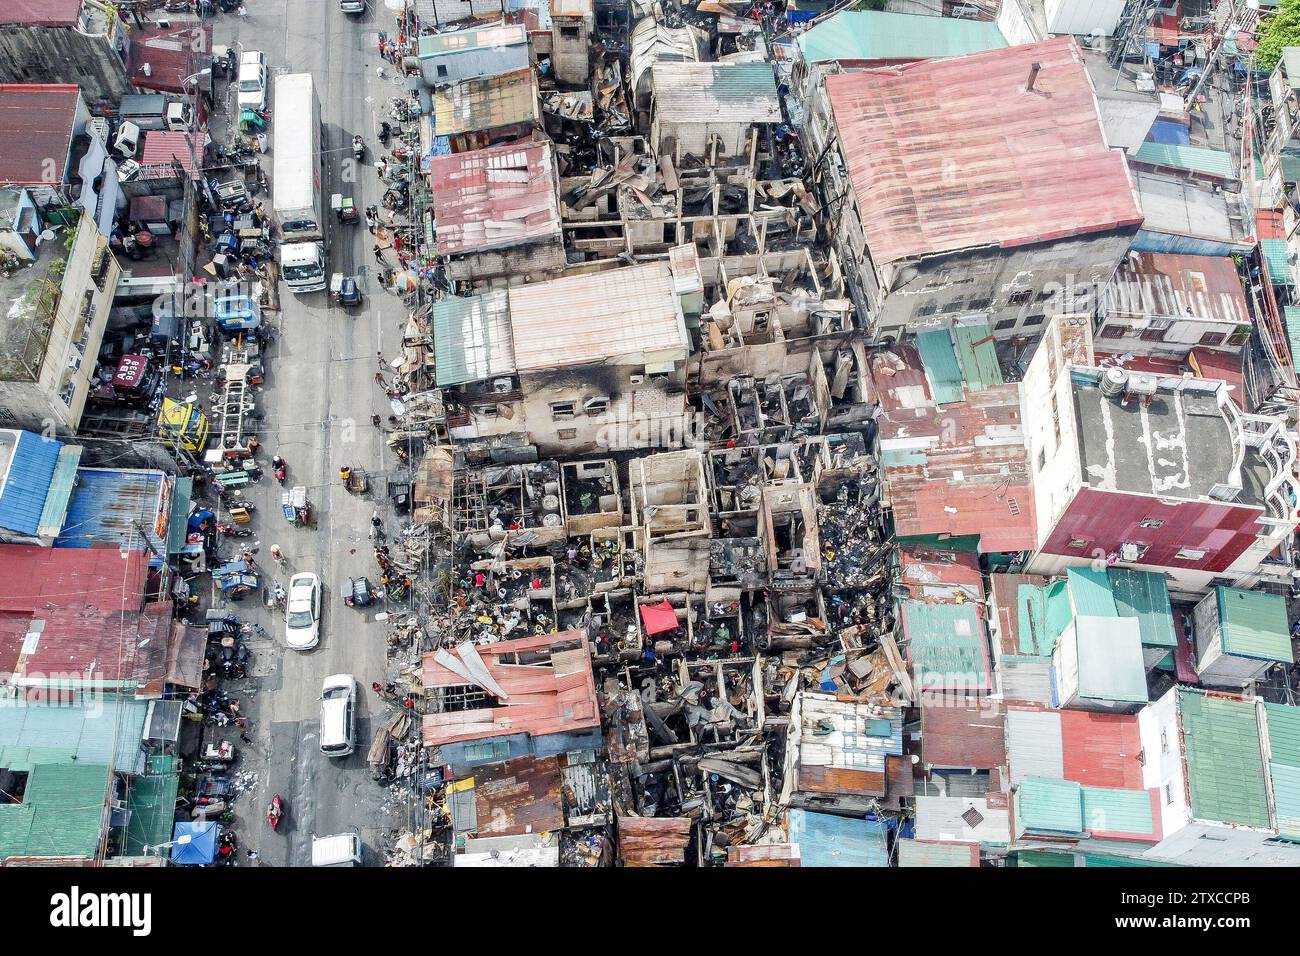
x=658, y=618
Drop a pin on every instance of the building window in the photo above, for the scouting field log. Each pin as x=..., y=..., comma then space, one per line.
x=1153, y=335
x=1152, y=523
x=1046, y=294
x=1004, y=325
x=442, y=71
x=1113, y=332
x=930, y=308
x=569, y=33
x=488, y=750
x=1164, y=741
x=1189, y=554
x=1213, y=338
x=486, y=411
x=1035, y=320
x=1078, y=544
x=1021, y=297
x=1042, y=459
x=1169, y=793
x=563, y=410
x=596, y=406
x=979, y=305
x=566, y=434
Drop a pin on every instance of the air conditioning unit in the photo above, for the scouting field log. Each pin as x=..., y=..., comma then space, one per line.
x=500, y=385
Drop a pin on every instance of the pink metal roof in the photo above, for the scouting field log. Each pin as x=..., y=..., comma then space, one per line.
x=54, y=577
x=547, y=697
x=40, y=13
x=36, y=121
x=494, y=198
x=1101, y=750
x=951, y=154
x=172, y=55
x=162, y=147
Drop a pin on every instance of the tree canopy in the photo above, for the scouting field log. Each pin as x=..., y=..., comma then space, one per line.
x=1280, y=30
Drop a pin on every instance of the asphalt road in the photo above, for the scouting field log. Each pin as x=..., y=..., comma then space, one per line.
x=317, y=405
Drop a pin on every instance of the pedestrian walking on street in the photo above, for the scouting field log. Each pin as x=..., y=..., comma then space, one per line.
x=243, y=10
x=379, y=255
x=253, y=857
x=243, y=735
x=370, y=220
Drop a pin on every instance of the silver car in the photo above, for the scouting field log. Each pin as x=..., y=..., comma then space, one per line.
x=302, y=613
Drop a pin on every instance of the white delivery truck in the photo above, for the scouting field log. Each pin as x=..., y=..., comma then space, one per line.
x=341, y=849
x=297, y=182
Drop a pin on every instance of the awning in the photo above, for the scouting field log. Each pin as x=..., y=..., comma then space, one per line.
x=658, y=618
x=177, y=524
x=199, y=846
x=185, y=646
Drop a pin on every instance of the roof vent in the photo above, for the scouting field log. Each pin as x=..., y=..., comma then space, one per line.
x=1113, y=381
x=1033, y=76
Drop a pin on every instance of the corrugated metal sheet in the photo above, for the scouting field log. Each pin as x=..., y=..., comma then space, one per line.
x=1026, y=679
x=1101, y=750
x=1292, y=318
x=109, y=507
x=976, y=352
x=647, y=841
x=584, y=319
x=1157, y=285
x=947, y=647
x=1126, y=813
x=41, y=13
x=26, y=481
x=941, y=819
x=97, y=733
x=60, y=491
x=1196, y=159
x=166, y=148
x=1283, y=733
x=1049, y=806
x=940, y=361
x=36, y=121
x=1225, y=768
x=1034, y=745
x=486, y=104
x=715, y=93
x=1042, y=614
x=152, y=802
x=1254, y=624
x=1015, y=166
x=1286, y=799
x=1145, y=596
x=857, y=35
x=842, y=746
x=494, y=198
x=1090, y=592
x=433, y=45
x=472, y=339
x=518, y=796
x=1277, y=255
x=61, y=814
x=1110, y=661
x=925, y=853
x=828, y=840
x=54, y=577
x=967, y=733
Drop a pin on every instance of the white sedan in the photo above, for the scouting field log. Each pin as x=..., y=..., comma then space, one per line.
x=302, y=616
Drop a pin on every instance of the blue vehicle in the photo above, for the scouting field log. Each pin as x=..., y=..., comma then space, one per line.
x=237, y=313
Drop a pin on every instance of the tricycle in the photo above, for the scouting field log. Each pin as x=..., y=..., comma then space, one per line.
x=236, y=579
x=219, y=752
x=296, y=508
x=399, y=493
x=357, y=482
x=356, y=592
x=345, y=209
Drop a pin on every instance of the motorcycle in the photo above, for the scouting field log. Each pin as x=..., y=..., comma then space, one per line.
x=385, y=131
x=231, y=531
x=279, y=595
x=278, y=468
x=358, y=147
x=275, y=812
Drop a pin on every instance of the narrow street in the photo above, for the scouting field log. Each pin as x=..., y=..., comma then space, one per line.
x=318, y=402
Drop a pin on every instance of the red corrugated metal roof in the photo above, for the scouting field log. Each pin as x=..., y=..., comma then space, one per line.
x=163, y=147
x=1162, y=285
x=950, y=154
x=40, y=13
x=36, y=121
x=494, y=198
x=172, y=55
x=1101, y=750
x=558, y=696
x=967, y=733
x=54, y=577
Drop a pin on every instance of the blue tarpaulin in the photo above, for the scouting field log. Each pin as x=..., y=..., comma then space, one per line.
x=1171, y=134
x=201, y=848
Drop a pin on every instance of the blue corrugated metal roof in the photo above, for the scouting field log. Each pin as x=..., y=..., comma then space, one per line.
x=827, y=840
x=27, y=482
x=109, y=507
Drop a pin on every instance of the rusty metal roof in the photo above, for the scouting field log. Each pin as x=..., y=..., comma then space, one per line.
x=40, y=13
x=1160, y=285
x=957, y=153
x=963, y=733
x=36, y=123
x=1101, y=750
x=487, y=103
x=494, y=198
x=555, y=694
x=163, y=147
x=715, y=93
x=522, y=795
x=649, y=841
x=581, y=319
x=53, y=577
x=956, y=471
x=172, y=55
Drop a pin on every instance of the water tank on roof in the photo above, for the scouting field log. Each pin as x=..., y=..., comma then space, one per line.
x=1113, y=381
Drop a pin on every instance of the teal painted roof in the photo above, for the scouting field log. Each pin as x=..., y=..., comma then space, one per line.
x=33, y=734
x=1291, y=315
x=472, y=339
x=61, y=813
x=1196, y=159
x=940, y=361
x=178, y=525
x=975, y=351
x=459, y=41
x=1283, y=733
x=1043, y=858
x=1291, y=166
x=60, y=492
x=1090, y=591
x=912, y=853
x=1045, y=805
x=946, y=646
x=152, y=802
x=1254, y=624
x=1145, y=596
x=1109, y=810
x=1225, y=769
x=1286, y=800
x=855, y=35
x=1277, y=255
x=1043, y=613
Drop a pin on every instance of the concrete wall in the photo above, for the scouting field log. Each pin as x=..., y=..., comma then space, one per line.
x=60, y=55
x=1047, y=410
x=502, y=267
x=570, y=54
x=1162, y=761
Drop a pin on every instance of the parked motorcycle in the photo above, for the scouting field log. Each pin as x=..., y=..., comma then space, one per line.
x=232, y=531
x=275, y=812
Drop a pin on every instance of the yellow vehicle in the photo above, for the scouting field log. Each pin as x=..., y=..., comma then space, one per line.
x=183, y=425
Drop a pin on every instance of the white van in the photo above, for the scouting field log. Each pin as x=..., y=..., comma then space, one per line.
x=338, y=721
x=341, y=849
x=252, y=80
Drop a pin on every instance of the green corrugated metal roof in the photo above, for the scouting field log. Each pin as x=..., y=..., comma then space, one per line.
x=61, y=812
x=1291, y=315
x=60, y=492
x=1254, y=624
x=1197, y=159
x=1277, y=255
x=946, y=646
x=33, y=734
x=978, y=357
x=1283, y=733
x=152, y=802
x=1043, y=858
x=458, y=41
x=178, y=524
x=1091, y=594
x=1048, y=805
x=1225, y=769
x=1145, y=596
x=915, y=853
x=471, y=338
x=940, y=361
x=1109, y=810
x=1286, y=800
x=1290, y=163
x=858, y=35
x=1043, y=613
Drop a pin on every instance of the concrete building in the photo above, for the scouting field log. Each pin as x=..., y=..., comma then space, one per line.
x=985, y=226
x=572, y=22
x=1240, y=635
x=58, y=309
x=77, y=42
x=714, y=112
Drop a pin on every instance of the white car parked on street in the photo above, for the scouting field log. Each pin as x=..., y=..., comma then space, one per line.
x=302, y=612
x=252, y=80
